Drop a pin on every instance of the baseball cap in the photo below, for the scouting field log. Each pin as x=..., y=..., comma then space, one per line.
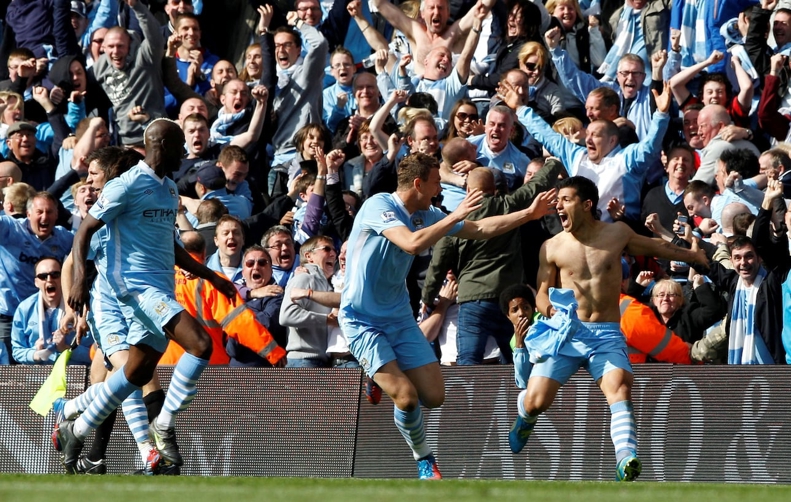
x=210, y=176
x=78, y=7
x=20, y=126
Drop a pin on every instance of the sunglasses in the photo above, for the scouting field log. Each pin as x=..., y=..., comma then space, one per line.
x=326, y=249
x=261, y=263
x=467, y=116
x=43, y=276
x=532, y=66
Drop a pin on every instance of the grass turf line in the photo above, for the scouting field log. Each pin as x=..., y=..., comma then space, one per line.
x=60, y=488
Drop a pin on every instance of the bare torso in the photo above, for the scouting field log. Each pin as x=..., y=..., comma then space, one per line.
x=592, y=269
x=425, y=42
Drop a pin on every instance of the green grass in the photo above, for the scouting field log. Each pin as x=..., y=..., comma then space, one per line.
x=58, y=488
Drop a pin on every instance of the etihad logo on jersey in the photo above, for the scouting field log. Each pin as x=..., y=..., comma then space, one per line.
x=160, y=213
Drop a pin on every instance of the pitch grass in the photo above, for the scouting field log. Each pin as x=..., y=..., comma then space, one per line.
x=58, y=488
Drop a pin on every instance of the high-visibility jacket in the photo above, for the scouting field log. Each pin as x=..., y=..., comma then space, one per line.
x=646, y=335
x=221, y=318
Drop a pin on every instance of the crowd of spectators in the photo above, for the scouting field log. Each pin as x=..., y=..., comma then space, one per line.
x=294, y=113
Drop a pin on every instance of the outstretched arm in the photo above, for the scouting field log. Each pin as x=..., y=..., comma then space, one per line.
x=746, y=89
x=398, y=19
x=497, y=225
x=479, y=12
x=639, y=245
x=678, y=84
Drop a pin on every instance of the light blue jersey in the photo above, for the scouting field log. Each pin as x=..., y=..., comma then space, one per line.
x=105, y=317
x=445, y=91
x=511, y=161
x=139, y=209
x=376, y=268
x=20, y=249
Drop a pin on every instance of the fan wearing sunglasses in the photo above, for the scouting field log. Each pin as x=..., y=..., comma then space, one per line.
x=35, y=338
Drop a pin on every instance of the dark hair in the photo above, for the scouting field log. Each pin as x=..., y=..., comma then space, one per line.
x=226, y=218
x=742, y=222
x=291, y=31
x=302, y=135
x=739, y=242
x=357, y=200
x=185, y=15
x=114, y=160
x=413, y=166
x=60, y=264
x=531, y=18
x=586, y=190
x=516, y=291
x=741, y=160
x=451, y=131
x=718, y=77
x=196, y=117
x=609, y=98
x=423, y=100
x=699, y=189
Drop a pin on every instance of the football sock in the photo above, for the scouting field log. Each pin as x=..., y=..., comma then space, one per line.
x=77, y=405
x=182, y=389
x=102, y=438
x=114, y=390
x=154, y=401
x=136, y=416
x=520, y=407
x=410, y=424
x=623, y=430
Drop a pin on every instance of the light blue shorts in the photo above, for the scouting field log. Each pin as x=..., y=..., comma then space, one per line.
x=147, y=312
x=108, y=324
x=599, y=349
x=374, y=347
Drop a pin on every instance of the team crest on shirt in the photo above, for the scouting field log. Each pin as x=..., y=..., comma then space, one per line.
x=173, y=193
x=388, y=216
x=418, y=223
x=509, y=168
x=113, y=340
x=161, y=308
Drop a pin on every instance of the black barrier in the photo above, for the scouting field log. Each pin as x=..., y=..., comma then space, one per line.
x=722, y=424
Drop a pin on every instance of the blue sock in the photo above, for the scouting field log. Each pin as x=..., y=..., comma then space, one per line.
x=182, y=389
x=410, y=424
x=136, y=416
x=623, y=430
x=109, y=397
x=81, y=402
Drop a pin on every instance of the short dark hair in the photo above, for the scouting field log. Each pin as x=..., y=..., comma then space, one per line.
x=423, y=100
x=718, y=77
x=185, y=15
x=516, y=291
x=291, y=31
x=586, y=190
x=741, y=160
x=699, y=189
x=740, y=241
x=742, y=222
x=114, y=160
x=609, y=98
x=413, y=166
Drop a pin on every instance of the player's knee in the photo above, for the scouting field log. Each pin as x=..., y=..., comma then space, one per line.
x=433, y=401
x=405, y=398
x=537, y=403
x=202, y=348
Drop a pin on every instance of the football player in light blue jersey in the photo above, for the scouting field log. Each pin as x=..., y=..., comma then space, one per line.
x=139, y=208
x=110, y=328
x=375, y=314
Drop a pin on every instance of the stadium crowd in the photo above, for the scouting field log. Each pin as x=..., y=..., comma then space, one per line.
x=295, y=113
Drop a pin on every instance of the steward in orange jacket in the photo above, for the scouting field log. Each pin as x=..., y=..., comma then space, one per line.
x=646, y=335
x=220, y=318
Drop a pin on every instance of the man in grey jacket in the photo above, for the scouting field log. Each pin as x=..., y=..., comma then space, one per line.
x=308, y=321
x=130, y=72
x=298, y=93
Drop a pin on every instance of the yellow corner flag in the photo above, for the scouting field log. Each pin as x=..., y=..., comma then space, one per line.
x=53, y=387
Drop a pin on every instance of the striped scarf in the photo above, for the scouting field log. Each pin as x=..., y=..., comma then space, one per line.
x=693, y=33
x=745, y=345
x=627, y=34
x=220, y=126
x=735, y=43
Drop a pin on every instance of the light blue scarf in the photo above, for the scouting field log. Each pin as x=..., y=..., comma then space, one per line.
x=693, y=33
x=627, y=34
x=220, y=126
x=745, y=345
